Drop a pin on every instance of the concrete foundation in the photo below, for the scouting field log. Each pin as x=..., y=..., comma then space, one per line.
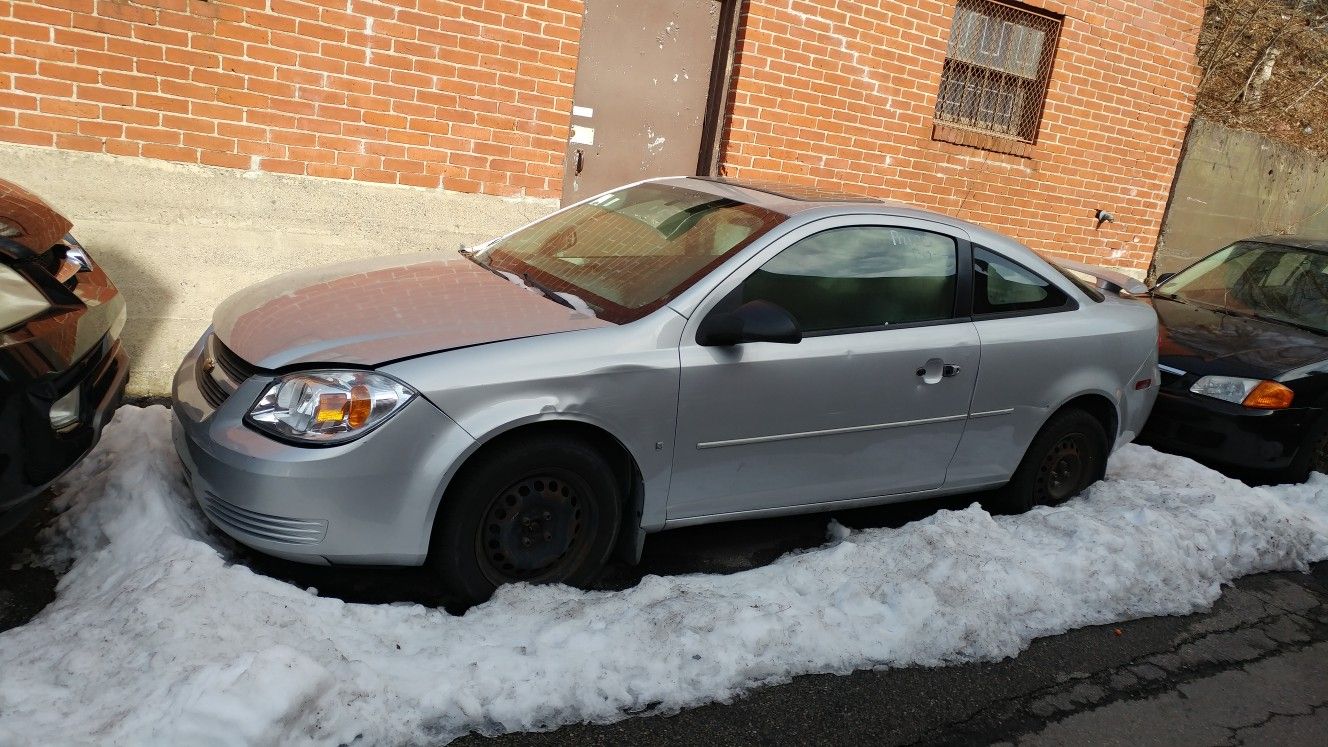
x=1233, y=185
x=177, y=238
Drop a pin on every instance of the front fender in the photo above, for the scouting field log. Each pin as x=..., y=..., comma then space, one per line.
x=621, y=380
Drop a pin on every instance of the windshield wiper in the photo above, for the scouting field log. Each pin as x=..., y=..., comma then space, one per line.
x=548, y=292
x=473, y=257
x=1289, y=323
x=1208, y=306
x=545, y=290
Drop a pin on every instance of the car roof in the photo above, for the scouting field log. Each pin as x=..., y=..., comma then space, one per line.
x=800, y=193
x=815, y=202
x=1297, y=242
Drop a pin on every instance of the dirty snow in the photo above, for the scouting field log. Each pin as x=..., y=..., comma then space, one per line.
x=155, y=639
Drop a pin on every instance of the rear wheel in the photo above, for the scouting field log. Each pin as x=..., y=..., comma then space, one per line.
x=539, y=511
x=1066, y=456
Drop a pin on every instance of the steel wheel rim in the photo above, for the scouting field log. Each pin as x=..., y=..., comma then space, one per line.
x=535, y=529
x=1063, y=470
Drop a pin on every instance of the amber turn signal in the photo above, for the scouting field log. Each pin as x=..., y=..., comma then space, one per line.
x=361, y=404
x=1269, y=395
x=331, y=408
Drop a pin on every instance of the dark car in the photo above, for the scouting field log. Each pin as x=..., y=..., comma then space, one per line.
x=62, y=369
x=1243, y=358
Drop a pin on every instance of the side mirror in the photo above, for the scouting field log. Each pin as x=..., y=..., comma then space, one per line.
x=754, y=321
x=1164, y=277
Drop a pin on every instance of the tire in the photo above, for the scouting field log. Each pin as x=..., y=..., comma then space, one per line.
x=538, y=510
x=1312, y=456
x=1067, y=455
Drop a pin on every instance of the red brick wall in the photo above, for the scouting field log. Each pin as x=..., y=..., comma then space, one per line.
x=475, y=93
x=842, y=94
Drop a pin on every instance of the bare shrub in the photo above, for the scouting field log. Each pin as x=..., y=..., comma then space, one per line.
x=1264, y=68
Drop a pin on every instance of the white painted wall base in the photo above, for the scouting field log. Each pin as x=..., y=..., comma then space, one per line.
x=177, y=239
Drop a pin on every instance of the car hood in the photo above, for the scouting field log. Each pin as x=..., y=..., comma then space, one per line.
x=372, y=311
x=40, y=226
x=1206, y=342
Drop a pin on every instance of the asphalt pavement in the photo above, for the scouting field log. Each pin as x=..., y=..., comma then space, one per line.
x=1253, y=670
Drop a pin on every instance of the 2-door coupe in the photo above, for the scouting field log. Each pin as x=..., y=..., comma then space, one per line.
x=62, y=369
x=674, y=352
x=1244, y=359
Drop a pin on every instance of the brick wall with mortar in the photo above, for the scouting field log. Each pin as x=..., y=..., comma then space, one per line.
x=475, y=96
x=472, y=94
x=843, y=94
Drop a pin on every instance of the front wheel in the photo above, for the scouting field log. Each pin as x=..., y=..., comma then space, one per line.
x=1067, y=455
x=538, y=510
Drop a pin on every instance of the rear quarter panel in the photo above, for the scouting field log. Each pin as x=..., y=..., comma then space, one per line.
x=1033, y=365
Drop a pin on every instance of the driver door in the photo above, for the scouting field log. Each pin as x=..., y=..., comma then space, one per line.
x=873, y=400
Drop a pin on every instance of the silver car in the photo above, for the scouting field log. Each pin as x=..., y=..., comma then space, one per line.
x=679, y=351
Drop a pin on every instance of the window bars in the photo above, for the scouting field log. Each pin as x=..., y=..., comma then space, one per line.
x=997, y=68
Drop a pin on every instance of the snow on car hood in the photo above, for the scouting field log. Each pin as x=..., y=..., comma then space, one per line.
x=157, y=635
x=371, y=311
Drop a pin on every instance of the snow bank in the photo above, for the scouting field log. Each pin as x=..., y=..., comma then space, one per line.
x=154, y=638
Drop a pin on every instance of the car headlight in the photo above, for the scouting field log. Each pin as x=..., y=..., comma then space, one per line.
x=19, y=299
x=328, y=407
x=1256, y=393
x=75, y=251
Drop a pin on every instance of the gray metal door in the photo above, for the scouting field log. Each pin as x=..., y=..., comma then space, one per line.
x=837, y=416
x=643, y=81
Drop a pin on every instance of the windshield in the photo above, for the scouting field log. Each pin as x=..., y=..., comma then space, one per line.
x=626, y=253
x=1267, y=281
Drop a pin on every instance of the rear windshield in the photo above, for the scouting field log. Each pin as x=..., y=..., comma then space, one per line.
x=626, y=253
x=1079, y=282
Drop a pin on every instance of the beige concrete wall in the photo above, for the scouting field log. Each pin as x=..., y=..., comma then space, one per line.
x=1233, y=185
x=177, y=239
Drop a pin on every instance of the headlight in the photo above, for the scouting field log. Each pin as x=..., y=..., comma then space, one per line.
x=76, y=252
x=328, y=407
x=1257, y=393
x=19, y=300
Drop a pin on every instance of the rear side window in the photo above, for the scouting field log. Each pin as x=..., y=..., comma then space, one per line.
x=860, y=277
x=1001, y=286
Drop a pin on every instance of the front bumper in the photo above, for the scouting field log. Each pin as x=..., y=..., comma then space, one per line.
x=1226, y=434
x=368, y=502
x=33, y=455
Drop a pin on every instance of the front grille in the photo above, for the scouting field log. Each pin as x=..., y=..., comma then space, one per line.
x=1170, y=375
x=236, y=368
x=212, y=391
x=263, y=526
x=216, y=359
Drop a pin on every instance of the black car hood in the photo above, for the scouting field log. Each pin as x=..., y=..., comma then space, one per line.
x=1206, y=342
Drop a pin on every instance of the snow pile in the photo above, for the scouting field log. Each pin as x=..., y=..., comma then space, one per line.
x=154, y=638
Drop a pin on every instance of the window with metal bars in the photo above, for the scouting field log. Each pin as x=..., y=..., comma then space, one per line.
x=997, y=68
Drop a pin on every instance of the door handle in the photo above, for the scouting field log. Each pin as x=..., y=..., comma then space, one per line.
x=937, y=369
x=580, y=162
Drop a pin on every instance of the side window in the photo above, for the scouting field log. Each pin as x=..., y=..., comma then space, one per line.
x=860, y=276
x=1000, y=285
